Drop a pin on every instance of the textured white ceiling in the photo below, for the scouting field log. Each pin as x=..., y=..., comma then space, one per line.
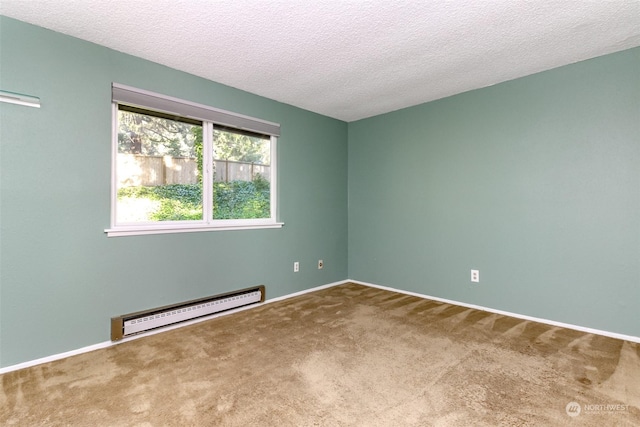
x=348, y=59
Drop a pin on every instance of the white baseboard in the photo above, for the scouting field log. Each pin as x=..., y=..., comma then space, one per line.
x=54, y=357
x=106, y=344
x=507, y=313
x=306, y=291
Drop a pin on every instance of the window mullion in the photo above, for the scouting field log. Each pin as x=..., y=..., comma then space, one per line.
x=273, y=160
x=207, y=171
x=114, y=163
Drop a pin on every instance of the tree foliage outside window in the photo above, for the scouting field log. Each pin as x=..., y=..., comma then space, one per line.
x=143, y=136
x=155, y=136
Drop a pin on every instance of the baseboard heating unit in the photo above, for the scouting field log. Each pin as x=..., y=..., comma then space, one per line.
x=142, y=321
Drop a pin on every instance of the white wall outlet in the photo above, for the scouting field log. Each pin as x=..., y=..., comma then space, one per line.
x=296, y=267
x=320, y=264
x=475, y=276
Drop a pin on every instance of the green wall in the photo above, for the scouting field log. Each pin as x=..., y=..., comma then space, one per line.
x=535, y=182
x=61, y=278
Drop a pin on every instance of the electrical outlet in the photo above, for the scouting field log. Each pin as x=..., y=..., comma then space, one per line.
x=475, y=276
x=296, y=267
x=320, y=264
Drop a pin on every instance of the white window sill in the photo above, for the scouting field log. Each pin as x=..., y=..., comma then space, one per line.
x=170, y=229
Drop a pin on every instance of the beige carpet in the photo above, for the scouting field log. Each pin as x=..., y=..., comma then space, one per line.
x=345, y=356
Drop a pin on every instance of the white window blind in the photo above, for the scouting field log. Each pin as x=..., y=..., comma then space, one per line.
x=150, y=100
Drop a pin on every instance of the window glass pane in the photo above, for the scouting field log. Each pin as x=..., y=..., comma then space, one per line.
x=158, y=170
x=242, y=175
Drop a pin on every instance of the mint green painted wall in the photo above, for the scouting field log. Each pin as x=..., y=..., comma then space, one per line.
x=61, y=278
x=535, y=182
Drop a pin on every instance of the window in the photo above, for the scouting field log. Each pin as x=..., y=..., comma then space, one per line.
x=181, y=167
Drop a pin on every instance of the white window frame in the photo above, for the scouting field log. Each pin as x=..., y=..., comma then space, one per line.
x=210, y=117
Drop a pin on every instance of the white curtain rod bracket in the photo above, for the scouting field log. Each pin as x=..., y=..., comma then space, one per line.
x=19, y=98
